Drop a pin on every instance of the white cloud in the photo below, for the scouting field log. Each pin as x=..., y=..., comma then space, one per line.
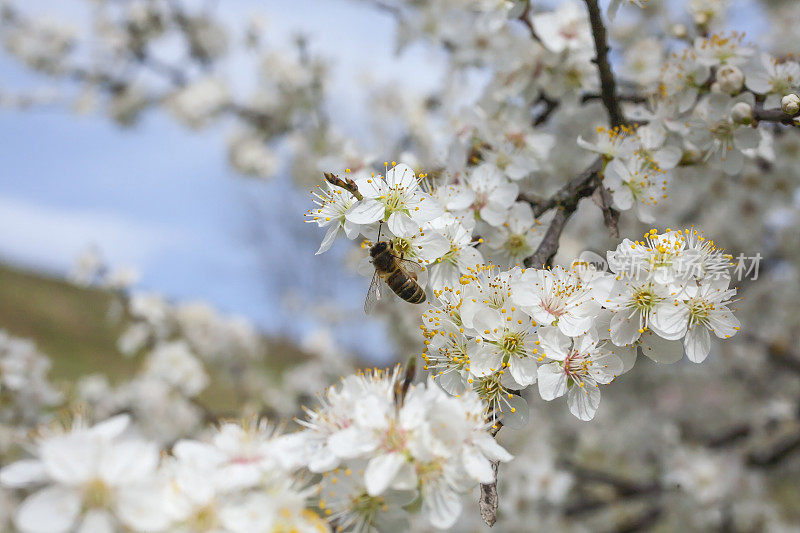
x=52, y=237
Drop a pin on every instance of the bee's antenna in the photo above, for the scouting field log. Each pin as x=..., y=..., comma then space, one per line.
x=380, y=227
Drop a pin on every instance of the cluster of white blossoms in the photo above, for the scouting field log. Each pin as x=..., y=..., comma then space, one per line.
x=25, y=388
x=381, y=448
x=105, y=478
x=704, y=115
x=573, y=329
x=433, y=229
x=497, y=331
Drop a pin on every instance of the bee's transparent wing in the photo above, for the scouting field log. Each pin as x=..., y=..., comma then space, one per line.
x=420, y=272
x=375, y=293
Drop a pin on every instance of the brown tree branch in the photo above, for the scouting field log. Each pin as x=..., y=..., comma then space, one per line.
x=774, y=115
x=566, y=202
x=608, y=85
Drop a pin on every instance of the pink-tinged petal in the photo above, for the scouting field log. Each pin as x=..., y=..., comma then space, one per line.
x=23, y=473
x=540, y=314
x=381, y=471
x=583, y=401
x=552, y=381
x=366, y=212
x=697, y=343
x=50, y=510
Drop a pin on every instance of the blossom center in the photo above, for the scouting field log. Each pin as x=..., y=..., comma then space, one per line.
x=576, y=366
x=96, y=494
x=645, y=299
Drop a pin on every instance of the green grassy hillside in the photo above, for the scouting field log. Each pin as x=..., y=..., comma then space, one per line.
x=72, y=326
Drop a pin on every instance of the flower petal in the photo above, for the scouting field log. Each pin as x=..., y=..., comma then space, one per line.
x=51, y=510
x=22, y=473
x=583, y=401
x=381, y=471
x=552, y=381
x=366, y=212
x=697, y=343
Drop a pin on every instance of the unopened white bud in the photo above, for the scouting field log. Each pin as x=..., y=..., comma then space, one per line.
x=716, y=88
x=730, y=79
x=742, y=113
x=701, y=19
x=790, y=104
x=679, y=31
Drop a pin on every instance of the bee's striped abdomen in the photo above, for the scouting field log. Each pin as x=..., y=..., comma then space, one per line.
x=405, y=287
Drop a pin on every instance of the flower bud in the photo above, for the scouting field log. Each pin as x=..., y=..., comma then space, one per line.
x=742, y=113
x=730, y=79
x=790, y=104
x=701, y=19
x=679, y=31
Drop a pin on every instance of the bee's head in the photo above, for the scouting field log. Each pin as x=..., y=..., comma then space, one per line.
x=378, y=248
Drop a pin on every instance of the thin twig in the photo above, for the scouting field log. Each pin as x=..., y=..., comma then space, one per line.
x=773, y=455
x=774, y=115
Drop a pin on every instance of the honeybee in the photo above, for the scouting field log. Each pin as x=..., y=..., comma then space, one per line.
x=398, y=274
